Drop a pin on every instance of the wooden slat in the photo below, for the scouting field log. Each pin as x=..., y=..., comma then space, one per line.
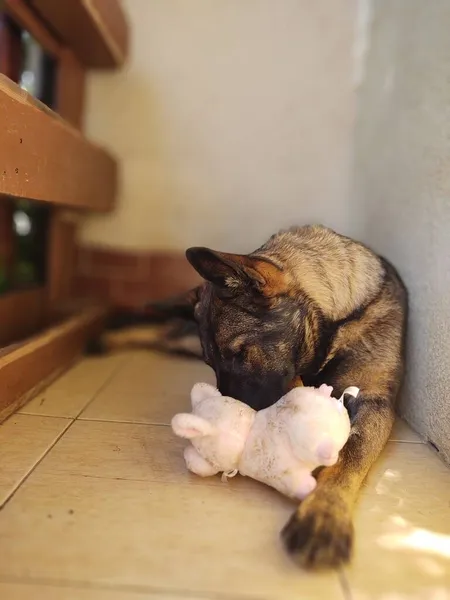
x=96, y=30
x=10, y=48
x=43, y=158
x=62, y=258
x=24, y=16
x=6, y=242
x=26, y=368
x=71, y=73
x=70, y=88
x=22, y=313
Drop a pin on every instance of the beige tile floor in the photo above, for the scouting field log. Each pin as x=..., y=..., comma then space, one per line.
x=97, y=504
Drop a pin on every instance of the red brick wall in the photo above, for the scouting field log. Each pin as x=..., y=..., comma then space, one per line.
x=131, y=279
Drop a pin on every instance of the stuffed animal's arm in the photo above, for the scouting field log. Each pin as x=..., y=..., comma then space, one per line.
x=197, y=464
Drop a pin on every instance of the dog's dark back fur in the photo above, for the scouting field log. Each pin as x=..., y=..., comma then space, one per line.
x=309, y=305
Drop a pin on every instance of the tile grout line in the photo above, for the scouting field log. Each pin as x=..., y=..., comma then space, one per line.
x=345, y=585
x=43, y=415
x=123, y=587
x=36, y=464
x=24, y=411
x=56, y=440
x=95, y=419
x=154, y=424
x=122, y=421
x=107, y=381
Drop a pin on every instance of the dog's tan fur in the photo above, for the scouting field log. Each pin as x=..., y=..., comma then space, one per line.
x=314, y=306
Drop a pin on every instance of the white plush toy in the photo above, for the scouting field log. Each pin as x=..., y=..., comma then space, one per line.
x=279, y=446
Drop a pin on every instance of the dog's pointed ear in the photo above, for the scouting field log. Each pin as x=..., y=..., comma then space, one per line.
x=237, y=271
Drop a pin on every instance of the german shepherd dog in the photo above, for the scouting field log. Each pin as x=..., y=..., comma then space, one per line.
x=309, y=306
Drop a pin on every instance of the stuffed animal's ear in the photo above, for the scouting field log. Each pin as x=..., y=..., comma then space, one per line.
x=303, y=396
x=326, y=390
x=190, y=426
x=202, y=391
x=298, y=396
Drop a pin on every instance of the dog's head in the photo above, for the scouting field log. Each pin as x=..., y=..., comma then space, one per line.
x=248, y=321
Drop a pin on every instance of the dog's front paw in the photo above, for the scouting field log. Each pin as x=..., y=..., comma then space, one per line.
x=320, y=533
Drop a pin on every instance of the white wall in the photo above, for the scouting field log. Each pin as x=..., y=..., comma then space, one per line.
x=234, y=118
x=402, y=188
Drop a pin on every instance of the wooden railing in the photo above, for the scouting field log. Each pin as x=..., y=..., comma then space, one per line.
x=45, y=158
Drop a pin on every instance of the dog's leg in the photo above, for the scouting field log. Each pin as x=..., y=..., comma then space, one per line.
x=166, y=326
x=174, y=337
x=320, y=532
